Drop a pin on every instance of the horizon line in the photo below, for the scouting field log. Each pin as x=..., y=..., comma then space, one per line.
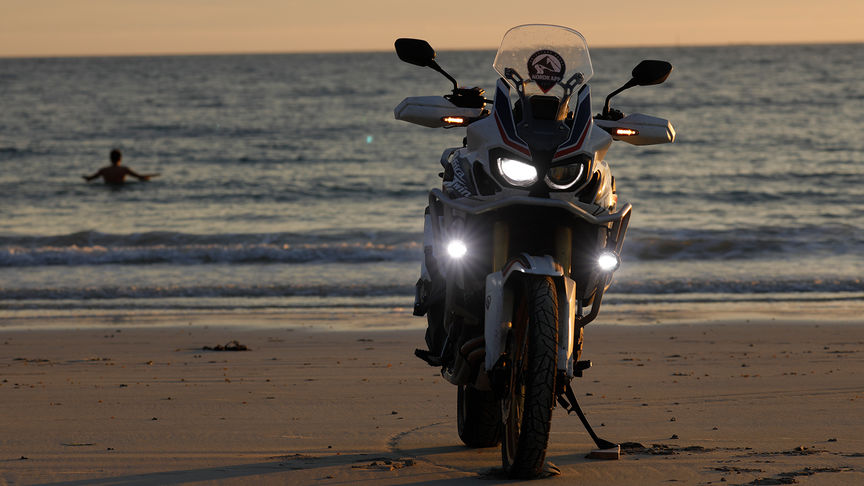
x=371, y=51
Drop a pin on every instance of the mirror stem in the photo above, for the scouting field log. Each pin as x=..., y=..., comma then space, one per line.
x=434, y=65
x=627, y=85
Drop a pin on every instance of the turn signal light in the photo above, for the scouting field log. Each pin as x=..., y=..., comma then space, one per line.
x=626, y=132
x=454, y=120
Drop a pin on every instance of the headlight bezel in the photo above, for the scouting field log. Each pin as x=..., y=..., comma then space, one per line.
x=568, y=181
x=580, y=163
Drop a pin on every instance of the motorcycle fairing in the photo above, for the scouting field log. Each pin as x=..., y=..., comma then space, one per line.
x=506, y=124
x=499, y=303
x=504, y=119
x=582, y=123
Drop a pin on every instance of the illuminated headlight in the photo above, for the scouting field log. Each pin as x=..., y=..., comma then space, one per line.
x=608, y=261
x=516, y=172
x=456, y=249
x=564, y=176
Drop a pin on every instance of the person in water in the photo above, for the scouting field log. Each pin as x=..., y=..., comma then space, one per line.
x=115, y=173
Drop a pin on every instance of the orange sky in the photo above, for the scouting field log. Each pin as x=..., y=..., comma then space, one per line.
x=96, y=27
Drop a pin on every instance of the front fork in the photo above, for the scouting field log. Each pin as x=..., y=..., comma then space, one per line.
x=499, y=302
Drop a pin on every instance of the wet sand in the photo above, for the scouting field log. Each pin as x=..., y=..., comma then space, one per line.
x=139, y=401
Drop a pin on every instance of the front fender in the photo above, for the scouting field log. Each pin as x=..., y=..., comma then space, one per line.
x=499, y=301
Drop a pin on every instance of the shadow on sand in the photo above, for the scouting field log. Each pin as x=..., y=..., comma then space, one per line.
x=278, y=464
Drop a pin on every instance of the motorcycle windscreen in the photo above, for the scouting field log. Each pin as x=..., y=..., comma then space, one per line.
x=545, y=57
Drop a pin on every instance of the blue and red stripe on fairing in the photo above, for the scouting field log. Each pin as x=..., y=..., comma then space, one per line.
x=581, y=125
x=504, y=119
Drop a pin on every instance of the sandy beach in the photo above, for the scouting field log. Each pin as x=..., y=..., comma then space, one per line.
x=292, y=213
x=737, y=400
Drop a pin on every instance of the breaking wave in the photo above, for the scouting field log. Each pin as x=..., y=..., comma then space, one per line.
x=95, y=248
x=365, y=290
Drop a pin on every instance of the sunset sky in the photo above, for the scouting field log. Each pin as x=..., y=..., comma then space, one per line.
x=119, y=27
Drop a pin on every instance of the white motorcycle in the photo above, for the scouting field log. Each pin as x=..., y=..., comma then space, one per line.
x=521, y=241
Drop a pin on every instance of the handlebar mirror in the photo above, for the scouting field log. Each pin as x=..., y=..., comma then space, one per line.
x=415, y=51
x=650, y=72
x=645, y=73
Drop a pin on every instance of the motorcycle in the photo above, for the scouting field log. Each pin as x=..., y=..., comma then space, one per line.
x=522, y=239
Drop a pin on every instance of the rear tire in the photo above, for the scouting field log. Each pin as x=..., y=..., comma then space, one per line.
x=528, y=408
x=478, y=417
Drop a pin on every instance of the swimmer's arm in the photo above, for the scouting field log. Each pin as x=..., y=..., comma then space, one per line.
x=141, y=177
x=90, y=178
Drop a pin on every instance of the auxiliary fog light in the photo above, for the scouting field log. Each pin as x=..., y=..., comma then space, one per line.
x=608, y=261
x=456, y=249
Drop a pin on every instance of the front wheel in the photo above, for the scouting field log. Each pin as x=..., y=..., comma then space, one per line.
x=527, y=410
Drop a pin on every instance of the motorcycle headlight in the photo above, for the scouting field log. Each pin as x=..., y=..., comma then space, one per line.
x=456, y=249
x=564, y=176
x=608, y=261
x=516, y=172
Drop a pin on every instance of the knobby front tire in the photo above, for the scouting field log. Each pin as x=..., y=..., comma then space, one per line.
x=534, y=352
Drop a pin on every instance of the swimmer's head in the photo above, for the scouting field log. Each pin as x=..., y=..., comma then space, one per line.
x=116, y=156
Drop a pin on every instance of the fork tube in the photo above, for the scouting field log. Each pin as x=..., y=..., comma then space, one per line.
x=500, y=244
x=564, y=247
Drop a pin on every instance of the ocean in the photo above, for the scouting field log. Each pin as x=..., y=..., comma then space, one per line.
x=286, y=183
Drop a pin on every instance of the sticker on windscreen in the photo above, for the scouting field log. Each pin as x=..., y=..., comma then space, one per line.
x=546, y=68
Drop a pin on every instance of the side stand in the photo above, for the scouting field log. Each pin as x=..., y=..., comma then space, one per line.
x=605, y=449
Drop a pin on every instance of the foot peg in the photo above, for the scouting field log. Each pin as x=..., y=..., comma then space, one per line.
x=428, y=357
x=580, y=367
